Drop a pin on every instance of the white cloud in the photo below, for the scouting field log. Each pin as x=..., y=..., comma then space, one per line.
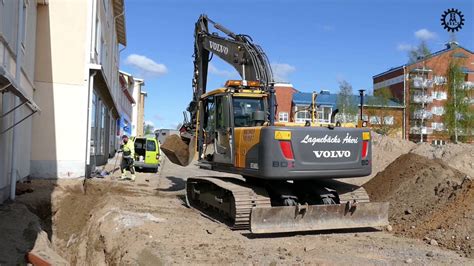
x=146, y=66
x=221, y=72
x=148, y=122
x=281, y=71
x=405, y=47
x=327, y=28
x=425, y=35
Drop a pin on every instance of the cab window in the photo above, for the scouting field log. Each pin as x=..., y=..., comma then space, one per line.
x=243, y=109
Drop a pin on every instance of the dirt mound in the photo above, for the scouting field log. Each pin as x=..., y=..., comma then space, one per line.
x=459, y=156
x=421, y=193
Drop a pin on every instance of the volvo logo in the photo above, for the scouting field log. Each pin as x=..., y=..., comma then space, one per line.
x=332, y=154
x=218, y=47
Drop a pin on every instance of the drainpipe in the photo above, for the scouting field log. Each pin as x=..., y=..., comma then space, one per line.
x=89, y=119
x=19, y=59
x=404, y=103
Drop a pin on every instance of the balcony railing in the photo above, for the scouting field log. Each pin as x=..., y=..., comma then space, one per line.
x=468, y=85
x=422, y=99
x=422, y=114
x=421, y=130
x=419, y=83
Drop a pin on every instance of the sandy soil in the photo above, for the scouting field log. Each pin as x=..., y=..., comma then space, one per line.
x=146, y=222
x=428, y=200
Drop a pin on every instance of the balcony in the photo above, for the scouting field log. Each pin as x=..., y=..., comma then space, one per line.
x=419, y=83
x=468, y=85
x=422, y=114
x=421, y=130
x=422, y=99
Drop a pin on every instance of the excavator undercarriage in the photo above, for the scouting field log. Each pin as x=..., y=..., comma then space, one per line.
x=249, y=206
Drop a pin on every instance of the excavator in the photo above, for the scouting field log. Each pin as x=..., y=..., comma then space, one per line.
x=286, y=176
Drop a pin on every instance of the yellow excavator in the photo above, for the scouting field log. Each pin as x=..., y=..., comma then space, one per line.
x=288, y=171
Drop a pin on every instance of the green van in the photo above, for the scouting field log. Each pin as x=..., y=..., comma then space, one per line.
x=147, y=153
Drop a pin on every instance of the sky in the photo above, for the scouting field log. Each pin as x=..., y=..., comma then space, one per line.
x=312, y=44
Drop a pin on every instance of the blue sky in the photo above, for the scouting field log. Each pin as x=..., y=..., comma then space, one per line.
x=312, y=44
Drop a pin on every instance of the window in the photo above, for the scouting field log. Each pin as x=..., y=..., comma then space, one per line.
x=94, y=124
x=243, y=110
x=388, y=120
x=375, y=120
x=150, y=145
x=437, y=110
x=440, y=95
x=209, y=123
x=103, y=117
x=302, y=116
x=439, y=80
x=437, y=126
x=283, y=116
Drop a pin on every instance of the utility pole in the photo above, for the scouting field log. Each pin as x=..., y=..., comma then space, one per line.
x=455, y=112
x=422, y=102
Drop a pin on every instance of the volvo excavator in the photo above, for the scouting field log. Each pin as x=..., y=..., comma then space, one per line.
x=290, y=173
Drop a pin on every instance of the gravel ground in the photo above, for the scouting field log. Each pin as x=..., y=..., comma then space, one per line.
x=147, y=223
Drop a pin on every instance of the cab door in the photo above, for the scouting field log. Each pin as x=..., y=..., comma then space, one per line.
x=223, y=130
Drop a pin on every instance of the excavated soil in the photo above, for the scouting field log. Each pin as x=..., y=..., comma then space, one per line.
x=428, y=200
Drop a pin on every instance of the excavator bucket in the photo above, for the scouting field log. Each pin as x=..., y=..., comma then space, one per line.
x=177, y=151
x=318, y=217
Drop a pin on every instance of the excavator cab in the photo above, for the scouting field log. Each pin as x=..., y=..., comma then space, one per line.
x=223, y=111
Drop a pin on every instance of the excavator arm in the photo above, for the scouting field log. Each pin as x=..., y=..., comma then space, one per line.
x=238, y=50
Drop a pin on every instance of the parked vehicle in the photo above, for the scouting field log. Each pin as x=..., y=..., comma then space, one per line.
x=147, y=153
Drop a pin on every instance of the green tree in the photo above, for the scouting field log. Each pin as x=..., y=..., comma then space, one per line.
x=149, y=129
x=458, y=115
x=379, y=105
x=345, y=102
x=421, y=51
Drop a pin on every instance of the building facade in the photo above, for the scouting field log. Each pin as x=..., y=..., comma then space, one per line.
x=17, y=105
x=384, y=115
x=126, y=106
x=284, y=94
x=77, y=81
x=422, y=88
x=138, y=112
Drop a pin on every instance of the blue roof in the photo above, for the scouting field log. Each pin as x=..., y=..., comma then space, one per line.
x=304, y=98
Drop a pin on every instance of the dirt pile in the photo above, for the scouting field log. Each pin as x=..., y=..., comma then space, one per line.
x=459, y=156
x=386, y=149
x=428, y=200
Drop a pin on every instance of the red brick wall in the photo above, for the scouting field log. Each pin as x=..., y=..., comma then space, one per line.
x=439, y=65
x=284, y=98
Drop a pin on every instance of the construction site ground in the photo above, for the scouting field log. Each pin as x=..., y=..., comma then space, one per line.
x=105, y=221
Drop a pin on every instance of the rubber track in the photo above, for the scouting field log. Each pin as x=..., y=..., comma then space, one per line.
x=245, y=198
x=359, y=194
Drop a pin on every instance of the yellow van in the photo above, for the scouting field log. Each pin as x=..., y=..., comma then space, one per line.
x=147, y=154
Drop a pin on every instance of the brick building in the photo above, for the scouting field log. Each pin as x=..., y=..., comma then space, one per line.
x=284, y=96
x=421, y=87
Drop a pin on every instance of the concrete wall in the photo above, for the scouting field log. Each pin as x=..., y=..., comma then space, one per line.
x=58, y=147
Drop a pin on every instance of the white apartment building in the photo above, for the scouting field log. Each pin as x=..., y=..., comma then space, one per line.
x=77, y=83
x=17, y=107
x=127, y=103
x=138, y=111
